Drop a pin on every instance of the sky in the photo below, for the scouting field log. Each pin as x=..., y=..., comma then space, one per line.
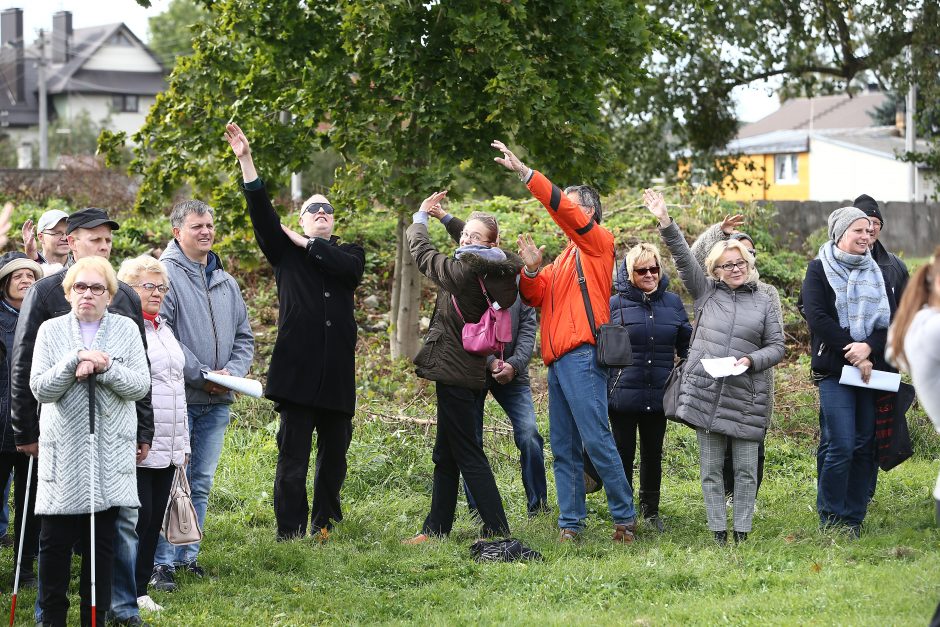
x=754, y=102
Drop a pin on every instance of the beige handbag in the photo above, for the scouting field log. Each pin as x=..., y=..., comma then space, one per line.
x=180, y=525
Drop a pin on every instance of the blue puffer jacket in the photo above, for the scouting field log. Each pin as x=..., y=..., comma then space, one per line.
x=8, y=318
x=659, y=328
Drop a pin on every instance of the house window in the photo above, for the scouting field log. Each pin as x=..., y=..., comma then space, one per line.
x=124, y=103
x=119, y=39
x=785, y=169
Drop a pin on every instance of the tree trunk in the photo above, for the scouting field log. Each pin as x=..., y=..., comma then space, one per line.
x=396, y=290
x=404, y=335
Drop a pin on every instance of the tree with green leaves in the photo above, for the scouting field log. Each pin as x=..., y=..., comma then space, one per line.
x=171, y=31
x=409, y=93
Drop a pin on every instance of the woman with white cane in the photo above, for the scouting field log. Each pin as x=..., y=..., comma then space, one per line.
x=17, y=275
x=87, y=458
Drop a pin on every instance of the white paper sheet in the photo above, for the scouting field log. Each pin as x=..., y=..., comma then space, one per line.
x=880, y=380
x=722, y=367
x=237, y=384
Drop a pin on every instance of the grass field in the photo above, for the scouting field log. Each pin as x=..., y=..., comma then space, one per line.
x=786, y=573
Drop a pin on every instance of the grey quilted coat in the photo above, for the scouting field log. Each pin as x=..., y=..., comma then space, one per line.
x=64, y=451
x=739, y=323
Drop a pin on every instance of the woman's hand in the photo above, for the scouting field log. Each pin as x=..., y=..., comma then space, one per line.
x=437, y=211
x=509, y=160
x=100, y=360
x=731, y=223
x=743, y=361
x=530, y=253
x=856, y=352
x=84, y=369
x=656, y=204
x=865, y=367
x=434, y=199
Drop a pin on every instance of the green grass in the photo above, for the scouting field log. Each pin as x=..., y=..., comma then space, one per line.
x=787, y=572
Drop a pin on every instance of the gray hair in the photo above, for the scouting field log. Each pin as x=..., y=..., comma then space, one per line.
x=183, y=209
x=587, y=197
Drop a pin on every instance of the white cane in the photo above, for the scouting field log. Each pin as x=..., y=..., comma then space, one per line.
x=22, y=538
x=91, y=485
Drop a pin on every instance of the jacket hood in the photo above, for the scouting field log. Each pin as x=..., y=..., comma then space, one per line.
x=623, y=285
x=174, y=254
x=502, y=291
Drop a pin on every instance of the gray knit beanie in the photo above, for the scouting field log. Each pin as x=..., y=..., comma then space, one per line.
x=841, y=219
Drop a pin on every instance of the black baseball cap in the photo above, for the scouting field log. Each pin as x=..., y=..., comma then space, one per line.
x=88, y=219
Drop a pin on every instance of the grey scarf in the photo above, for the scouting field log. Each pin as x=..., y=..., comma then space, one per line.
x=484, y=252
x=861, y=301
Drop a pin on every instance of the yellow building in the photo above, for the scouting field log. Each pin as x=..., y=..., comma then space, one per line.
x=773, y=166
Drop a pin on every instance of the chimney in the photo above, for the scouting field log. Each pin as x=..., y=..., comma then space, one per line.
x=61, y=36
x=11, y=54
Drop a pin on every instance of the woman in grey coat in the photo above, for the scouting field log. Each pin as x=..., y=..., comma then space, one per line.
x=69, y=349
x=732, y=319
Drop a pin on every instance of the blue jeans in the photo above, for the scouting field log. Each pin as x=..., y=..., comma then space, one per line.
x=577, y=417
x=123, y=581
x=207, y=425
x=516, y=401
x=5, y=510
x=847, y=459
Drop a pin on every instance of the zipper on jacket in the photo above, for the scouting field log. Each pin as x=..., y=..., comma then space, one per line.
x=822, y=347
x=173, y=440
x=215, y=333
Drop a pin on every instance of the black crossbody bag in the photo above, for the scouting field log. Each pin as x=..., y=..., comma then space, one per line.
x=613, y=340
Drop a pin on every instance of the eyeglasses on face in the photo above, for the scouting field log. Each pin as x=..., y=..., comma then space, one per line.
x=96, y=288
x=654, y=270
x=316, y=206
x=740, y=264
x=56, y=234
x=163, y=288
x=476, y=238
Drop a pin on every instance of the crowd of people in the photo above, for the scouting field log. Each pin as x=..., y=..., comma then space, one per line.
x=106, y=389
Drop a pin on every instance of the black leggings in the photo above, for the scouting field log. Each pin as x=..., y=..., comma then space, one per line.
x=153, y=489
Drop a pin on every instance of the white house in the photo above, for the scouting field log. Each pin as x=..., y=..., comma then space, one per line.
x=106, y=71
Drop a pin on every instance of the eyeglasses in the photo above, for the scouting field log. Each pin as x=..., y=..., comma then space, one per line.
x=57, y=234
x=740, y=264
x=163, y=288
x=476, y=238
x=97, y=288
x=644, y=271
x=316, y=206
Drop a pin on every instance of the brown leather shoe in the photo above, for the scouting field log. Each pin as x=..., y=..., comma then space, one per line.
x=625, y=533
x=567, y=535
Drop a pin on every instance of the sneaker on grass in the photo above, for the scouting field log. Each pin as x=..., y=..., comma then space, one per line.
x=148, y=604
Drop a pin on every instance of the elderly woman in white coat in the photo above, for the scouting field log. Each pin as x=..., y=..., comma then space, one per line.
x=170, y=449
x=70, y=348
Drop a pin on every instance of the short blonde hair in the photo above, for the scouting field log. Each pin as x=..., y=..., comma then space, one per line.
x=132, y=268
x=92, y=264
x=642, y=252
x=711, y=261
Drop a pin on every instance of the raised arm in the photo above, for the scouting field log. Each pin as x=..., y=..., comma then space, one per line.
x=691, y=273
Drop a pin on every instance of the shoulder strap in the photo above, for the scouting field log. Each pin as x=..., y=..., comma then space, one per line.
x=584, y=292
x=485, y=295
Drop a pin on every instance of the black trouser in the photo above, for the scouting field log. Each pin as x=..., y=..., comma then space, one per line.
x=153, y=490
x=457, y=451
x=729, y=468
x=652, y=428
x=294, y=441
x=56, y=540
x=19, y=464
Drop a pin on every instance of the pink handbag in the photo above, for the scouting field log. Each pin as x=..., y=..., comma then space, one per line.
x=487, y=336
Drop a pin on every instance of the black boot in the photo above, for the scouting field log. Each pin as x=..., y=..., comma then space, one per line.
x=740, y=536
x=649, y=506
x=721, y=538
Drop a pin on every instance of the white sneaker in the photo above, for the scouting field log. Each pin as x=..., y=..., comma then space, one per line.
x=146, y=603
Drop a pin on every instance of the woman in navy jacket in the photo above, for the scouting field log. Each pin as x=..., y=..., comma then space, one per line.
x=659, y=330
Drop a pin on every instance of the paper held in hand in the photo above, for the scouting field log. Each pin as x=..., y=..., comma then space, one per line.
x=236, y=384
x=880, y=380
x=722, y=367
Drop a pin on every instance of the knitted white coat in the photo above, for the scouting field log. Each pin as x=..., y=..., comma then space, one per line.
x=170, y=421
x=65, y=455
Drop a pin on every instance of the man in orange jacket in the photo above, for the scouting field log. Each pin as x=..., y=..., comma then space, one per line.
x=577, y=385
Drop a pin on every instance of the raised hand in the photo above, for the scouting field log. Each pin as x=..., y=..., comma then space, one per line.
x=434, y=199
x=530, y=253
x=437, y=211
x=508, y=160
x=656, y=204
x=731, y=223
x=295, y=238
x=29, y=238
x=237, y=140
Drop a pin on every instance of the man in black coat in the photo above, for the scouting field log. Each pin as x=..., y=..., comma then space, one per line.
x=312, y=377
x=89, y=234
x=892, y=268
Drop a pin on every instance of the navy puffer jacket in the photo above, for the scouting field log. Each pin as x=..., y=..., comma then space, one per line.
x=659, y=329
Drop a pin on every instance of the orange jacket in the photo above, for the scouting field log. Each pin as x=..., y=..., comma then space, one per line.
x=564, y=320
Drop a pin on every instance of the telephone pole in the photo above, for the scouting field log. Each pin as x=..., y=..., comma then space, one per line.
x=43, y=106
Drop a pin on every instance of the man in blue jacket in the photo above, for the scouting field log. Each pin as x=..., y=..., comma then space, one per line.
x=207, y=313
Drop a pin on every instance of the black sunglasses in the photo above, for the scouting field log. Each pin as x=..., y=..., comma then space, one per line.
x=645, y=271
x=316, y=206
